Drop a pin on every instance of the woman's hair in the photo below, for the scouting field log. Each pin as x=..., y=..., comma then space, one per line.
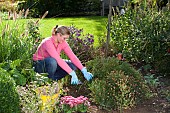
x=61, y=29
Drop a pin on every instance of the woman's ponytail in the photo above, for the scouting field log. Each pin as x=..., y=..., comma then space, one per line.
x=60, y=29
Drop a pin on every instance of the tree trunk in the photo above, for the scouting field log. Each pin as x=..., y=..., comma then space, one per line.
x=108, y=27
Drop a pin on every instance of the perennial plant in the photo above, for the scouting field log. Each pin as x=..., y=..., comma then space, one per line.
x=71, y=104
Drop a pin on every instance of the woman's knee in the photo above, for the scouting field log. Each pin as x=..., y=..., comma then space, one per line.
x=51, y=62
x=71, y=65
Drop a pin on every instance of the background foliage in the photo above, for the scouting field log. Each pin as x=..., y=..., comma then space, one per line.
x=143, y=36
x=61, y=7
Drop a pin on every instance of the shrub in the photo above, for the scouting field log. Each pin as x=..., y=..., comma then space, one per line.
x=38, y=99
x=23, y=76
x=9, y=101
x=29, y=101
x=116, y=84
x=12, y=68
x=142, y=36
x=82, y=45
x=17, y=41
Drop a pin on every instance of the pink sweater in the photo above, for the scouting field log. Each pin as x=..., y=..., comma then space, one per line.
x=48, y=48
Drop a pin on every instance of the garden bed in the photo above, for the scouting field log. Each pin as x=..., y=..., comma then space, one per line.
x=157, y=104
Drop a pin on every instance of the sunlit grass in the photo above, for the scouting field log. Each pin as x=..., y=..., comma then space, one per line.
x=95, y=25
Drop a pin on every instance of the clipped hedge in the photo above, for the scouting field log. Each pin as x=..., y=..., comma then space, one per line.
x=116, y=84
x=9, y=101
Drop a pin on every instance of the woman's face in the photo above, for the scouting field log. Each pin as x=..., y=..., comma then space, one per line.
x=61, y=38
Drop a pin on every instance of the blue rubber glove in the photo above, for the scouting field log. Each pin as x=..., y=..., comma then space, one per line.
x=74, y=79
x=88, y=76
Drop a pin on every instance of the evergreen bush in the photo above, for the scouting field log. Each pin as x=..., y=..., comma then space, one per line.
x=9, y=101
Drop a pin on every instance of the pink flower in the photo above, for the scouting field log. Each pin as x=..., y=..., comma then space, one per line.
x=72, y=102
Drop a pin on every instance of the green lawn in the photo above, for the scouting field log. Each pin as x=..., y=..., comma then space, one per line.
x=95, y=25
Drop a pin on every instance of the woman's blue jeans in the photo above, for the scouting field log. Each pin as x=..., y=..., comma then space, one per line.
x=49, y=65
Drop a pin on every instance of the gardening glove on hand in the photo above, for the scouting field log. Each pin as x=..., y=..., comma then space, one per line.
x=87, y=75
x=74, y=79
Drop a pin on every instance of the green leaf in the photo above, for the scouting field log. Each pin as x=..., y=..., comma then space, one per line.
x=15, y=63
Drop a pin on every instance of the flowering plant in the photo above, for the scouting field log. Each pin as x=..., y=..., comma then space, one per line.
x=82, y=45
x=71, y=104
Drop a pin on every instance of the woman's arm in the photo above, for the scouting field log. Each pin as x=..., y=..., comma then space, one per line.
x=72, y=56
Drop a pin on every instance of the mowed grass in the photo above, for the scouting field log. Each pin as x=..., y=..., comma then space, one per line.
x=95, y=25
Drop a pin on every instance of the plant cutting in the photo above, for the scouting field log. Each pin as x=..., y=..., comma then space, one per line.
x=71, y=104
